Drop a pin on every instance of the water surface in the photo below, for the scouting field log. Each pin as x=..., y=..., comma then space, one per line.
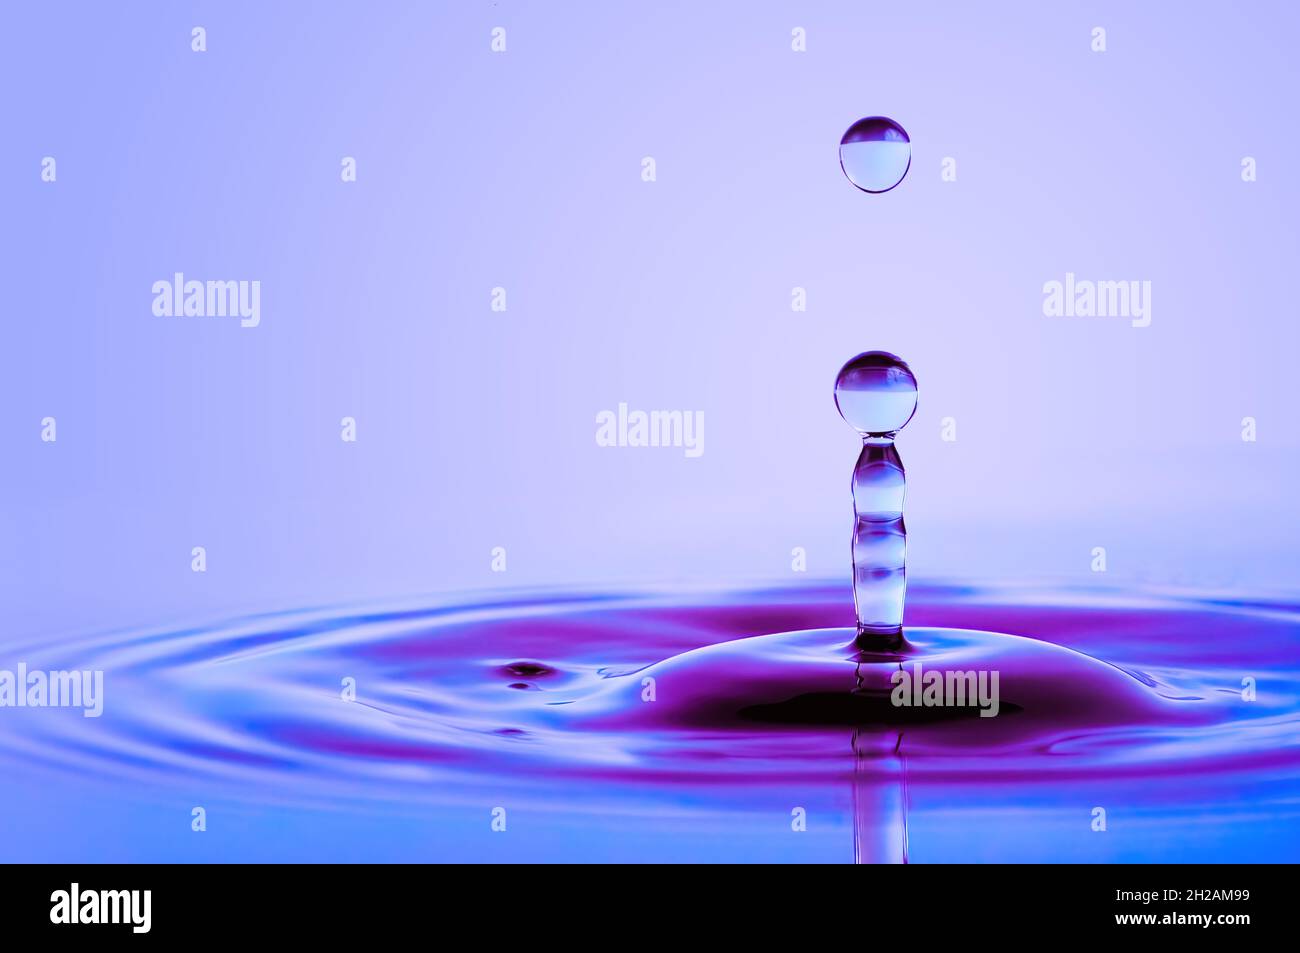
x=673, y=725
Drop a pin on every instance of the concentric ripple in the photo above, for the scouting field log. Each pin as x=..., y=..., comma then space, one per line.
x=630, y=701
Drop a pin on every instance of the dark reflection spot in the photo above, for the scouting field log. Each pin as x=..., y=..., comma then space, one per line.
x=528, y=669
x=521, y=686
x=511, y=732
x=844, y=708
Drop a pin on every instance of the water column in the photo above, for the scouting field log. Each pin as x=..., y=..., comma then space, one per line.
x=876, y=393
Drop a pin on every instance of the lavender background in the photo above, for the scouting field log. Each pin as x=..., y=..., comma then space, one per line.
x=522, y=170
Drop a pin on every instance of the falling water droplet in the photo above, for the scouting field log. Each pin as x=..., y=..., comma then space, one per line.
x=875, y=153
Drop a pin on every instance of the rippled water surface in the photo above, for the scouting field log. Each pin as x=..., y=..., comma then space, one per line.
x=662, y=726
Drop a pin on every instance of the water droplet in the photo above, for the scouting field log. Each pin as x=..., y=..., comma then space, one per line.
x=876, y=393
x=875, y=153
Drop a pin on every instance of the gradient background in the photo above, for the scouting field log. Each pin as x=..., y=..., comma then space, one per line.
x=476, y=428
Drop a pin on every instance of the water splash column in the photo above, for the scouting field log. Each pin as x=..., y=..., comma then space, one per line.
x=876, y=394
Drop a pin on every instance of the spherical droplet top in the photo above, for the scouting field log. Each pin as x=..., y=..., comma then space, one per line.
x=876, y=393
x=875, y=153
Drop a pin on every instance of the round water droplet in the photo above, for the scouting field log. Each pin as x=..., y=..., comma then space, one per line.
x=875, y=153
x=876, y=393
